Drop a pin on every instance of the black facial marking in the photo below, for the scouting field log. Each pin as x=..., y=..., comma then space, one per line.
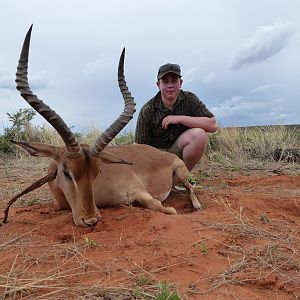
x=67, y=174
x=87, y=156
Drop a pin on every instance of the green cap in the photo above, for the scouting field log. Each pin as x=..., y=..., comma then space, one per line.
x=168, y=68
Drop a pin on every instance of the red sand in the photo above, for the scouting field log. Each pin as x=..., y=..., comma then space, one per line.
x=132, y=243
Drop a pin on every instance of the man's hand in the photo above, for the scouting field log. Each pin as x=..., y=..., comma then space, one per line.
x=170, y=120
x=206, y=123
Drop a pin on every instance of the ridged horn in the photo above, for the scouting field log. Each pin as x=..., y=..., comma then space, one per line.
x=73, y=147
x=123, y=119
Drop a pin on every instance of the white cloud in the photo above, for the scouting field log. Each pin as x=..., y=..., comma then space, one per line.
x=237, y=111
x=190, y=75
x=275, y=117
x=101, y=64
x=261, y=88
x=209, y=78
x=37, y=81
x=266, y=42
x=6, y=80
x=10, y=98
x=235, y=106
x=81, y=61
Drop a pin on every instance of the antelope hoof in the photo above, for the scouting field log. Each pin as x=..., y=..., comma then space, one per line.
x=170, y=211
x=197, y=206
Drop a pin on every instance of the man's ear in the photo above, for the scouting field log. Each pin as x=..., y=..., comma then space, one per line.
x=38, y=149
x=110, y=158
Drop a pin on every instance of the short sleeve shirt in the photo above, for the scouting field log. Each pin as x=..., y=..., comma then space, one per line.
x=149, y=128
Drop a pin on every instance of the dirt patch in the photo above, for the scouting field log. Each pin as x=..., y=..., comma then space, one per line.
x=243, y=245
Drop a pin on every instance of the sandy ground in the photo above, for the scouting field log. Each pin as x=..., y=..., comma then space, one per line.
x=243, y=245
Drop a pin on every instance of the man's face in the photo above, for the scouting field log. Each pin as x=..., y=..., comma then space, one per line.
x=170, y=86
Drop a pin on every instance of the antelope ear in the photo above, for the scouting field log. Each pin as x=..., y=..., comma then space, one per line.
x=38, y=149
x=110, y=158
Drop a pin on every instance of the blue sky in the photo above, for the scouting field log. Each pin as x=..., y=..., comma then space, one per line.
x=240, y=57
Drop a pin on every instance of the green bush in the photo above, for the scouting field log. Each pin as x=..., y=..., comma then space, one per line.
x=20, y=129
x=166, y=292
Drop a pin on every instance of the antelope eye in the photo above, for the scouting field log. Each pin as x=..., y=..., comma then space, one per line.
x=67, y=174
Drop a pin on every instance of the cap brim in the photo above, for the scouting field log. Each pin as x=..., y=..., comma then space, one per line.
x=160, y=76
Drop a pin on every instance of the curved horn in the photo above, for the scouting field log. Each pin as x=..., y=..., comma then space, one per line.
x=123, y=119
x=73, y=147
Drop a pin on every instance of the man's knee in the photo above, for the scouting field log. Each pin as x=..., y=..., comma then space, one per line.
x=196, y=136
x=200, y=136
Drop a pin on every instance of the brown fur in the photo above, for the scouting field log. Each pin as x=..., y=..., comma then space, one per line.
x=84, y=183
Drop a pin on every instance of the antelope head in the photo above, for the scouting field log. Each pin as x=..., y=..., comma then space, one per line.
x=77, y=165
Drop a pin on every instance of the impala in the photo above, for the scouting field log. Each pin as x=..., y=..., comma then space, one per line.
x=87, y=177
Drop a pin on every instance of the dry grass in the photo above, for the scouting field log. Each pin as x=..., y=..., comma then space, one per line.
x=244, y=227
x=255, y=148
x=15, y=168
x=273, y=147
x=41, y=270
x=44, y=270
x=270, y=256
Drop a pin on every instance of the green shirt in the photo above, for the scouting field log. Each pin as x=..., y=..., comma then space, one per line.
x=149, y=124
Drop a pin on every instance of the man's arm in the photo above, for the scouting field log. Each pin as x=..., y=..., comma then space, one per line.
x=206, y=123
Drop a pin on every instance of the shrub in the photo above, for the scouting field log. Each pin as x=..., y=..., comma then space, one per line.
x=20, y=129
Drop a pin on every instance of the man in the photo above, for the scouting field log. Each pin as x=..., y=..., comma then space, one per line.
x=175, y=120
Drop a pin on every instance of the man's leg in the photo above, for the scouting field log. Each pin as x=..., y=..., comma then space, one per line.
x=193, y=143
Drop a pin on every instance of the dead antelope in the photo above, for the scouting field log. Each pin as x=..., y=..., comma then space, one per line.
x=82, y=183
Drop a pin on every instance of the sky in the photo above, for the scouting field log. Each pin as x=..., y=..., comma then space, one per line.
x=241, y=58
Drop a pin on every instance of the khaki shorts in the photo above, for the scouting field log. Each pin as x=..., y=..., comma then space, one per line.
x=173, y=149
